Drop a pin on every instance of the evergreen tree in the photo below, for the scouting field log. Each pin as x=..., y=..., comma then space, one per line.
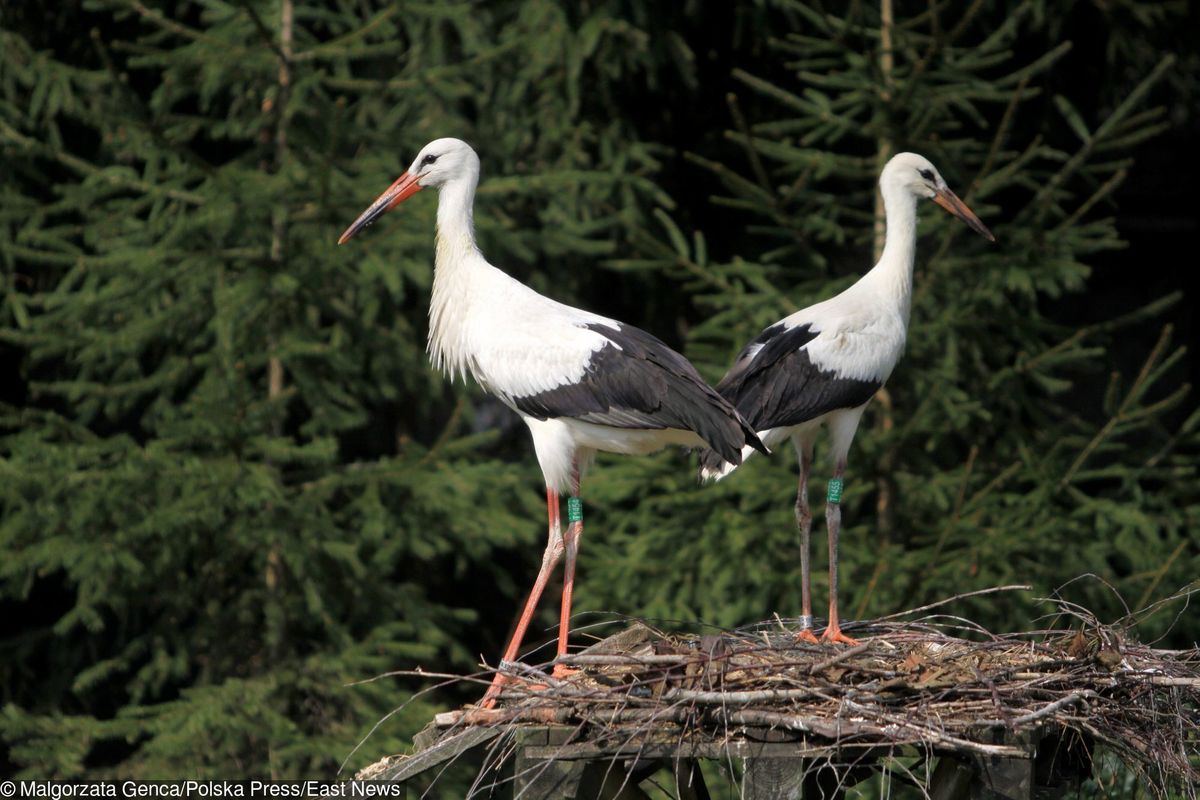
x=230, y=484
x=1009, y=446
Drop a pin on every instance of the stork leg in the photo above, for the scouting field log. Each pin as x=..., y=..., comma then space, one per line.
x=550, y=558
x=804, y=523
x=571, y=546
x=833, y=520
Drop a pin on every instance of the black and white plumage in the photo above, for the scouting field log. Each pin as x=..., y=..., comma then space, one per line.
x=776, y=379
x=581, y=382
x=635, y=382
x=820, y=366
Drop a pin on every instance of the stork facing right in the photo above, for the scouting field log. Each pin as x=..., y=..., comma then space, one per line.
x=821, y=365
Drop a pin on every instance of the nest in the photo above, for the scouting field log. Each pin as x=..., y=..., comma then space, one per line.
x=934, y=685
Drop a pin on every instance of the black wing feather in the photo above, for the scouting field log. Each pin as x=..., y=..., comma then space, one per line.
x=773, y=383
x=635, y=381
x=780, y=385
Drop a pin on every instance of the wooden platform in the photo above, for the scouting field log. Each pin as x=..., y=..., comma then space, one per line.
x=997, y=717
x=548, y=762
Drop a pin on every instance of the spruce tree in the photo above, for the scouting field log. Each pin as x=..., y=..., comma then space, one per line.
x=1010, y=446
x=230, y=484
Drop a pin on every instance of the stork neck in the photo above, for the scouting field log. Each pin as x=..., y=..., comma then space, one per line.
x=455, y=217
x=456, y=261
x=894, y=271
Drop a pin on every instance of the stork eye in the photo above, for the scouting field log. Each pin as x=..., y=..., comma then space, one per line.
x=927, y=174
x=429, y=159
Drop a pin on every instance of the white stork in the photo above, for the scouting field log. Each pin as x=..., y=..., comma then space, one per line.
x=580, y=381
x=822, y=364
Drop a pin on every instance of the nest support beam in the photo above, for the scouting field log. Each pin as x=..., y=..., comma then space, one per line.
x=547, y=765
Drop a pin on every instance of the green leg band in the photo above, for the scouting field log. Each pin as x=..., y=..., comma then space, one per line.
x=835, y=491
x=574, y=509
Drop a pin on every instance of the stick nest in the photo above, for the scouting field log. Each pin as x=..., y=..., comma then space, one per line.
x=909, y=683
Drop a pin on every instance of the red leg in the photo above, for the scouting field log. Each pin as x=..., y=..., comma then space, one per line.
x=804, y=522
x=833, y=520
x=571, y=546
x=551, y=556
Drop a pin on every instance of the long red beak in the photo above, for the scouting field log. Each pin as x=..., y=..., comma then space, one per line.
x=404, y=187
x=949, y=201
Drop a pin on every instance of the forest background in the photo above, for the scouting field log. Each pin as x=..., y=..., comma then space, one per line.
x=232, y=487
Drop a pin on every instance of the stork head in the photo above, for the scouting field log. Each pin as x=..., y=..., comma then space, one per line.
x=917, y=175
x=443, y=160
x=439, y=162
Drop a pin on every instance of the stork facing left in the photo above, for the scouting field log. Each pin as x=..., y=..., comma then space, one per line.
x=580, y=382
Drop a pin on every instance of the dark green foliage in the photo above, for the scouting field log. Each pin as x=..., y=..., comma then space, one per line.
x=230, y=484
x=233, y=473
x=1009, y=448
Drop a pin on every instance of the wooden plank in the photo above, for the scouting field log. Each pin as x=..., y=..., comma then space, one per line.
x=404, y=767
x=540, y=775
x=1000, y=778
x=773, y=779
x=544, y=777
x=720, y=750
x=793, y=775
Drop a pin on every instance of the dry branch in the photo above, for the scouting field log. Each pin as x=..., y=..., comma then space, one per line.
x=910, y=684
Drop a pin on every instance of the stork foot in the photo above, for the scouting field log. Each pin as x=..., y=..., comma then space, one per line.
x=497, y=689
x=500, y=681
x=562, y=672
x=833, y=635
x=806, y=635
x=493, y=693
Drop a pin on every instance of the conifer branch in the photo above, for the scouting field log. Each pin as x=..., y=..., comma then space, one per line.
x=748, y=145
x=144, y=117
x=1104, y=190
x=265, y=34
x=1161, y=573
x=160, y=19
x=999, y=137
x=363, y=31
x=116, y=178
x=279, y=213
x=964, y=21
x=1124, y=411
x=1041, y=200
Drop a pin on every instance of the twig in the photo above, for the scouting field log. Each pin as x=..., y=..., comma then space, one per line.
x=623, y=660
x=1010, y=588
x=839, y=658
x=738, y=698
x=1048, y=709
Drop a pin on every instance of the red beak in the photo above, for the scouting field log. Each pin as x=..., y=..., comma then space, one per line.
x=950, y=201
x=404, y=187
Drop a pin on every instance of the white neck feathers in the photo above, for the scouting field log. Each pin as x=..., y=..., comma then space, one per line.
x=457, y=257
x=894, y=273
